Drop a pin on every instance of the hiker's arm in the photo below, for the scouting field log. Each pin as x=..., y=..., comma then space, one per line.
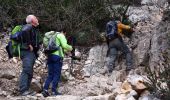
x=64, y=44
x=122, y=26
x=30, y=47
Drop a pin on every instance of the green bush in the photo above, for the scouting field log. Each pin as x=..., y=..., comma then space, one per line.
x=159, y=80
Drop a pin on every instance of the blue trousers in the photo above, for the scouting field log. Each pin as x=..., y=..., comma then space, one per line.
x=28, y=59
x=54, y=63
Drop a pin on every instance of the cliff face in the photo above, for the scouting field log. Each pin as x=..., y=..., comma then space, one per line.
x=160, y=44
x=149, y=43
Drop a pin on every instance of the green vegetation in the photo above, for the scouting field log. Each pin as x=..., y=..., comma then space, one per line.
x=77, y=15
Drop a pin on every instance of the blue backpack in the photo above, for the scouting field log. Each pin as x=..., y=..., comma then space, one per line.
x=111, y=30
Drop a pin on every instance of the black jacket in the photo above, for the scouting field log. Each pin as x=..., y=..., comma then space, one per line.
x=30, y=36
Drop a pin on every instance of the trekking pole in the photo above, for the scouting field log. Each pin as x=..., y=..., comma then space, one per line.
x=71, y=67
x=73, y=57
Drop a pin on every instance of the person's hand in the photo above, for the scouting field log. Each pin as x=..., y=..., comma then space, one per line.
x=30, y=47
x=68, y=53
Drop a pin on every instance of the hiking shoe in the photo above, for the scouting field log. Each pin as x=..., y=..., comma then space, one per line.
x=25, y=93
x=56, y=93
x=45, y=93
x=32, y=93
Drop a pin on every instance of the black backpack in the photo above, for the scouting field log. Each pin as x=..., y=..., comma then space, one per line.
x=111, y=30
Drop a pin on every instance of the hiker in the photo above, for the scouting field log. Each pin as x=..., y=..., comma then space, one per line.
x=55, y=62
x=29, y=48
x=116, y=43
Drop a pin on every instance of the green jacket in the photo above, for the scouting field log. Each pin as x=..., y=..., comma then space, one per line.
x=64, y=47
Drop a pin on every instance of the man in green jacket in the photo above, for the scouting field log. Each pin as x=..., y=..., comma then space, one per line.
x=55, y=62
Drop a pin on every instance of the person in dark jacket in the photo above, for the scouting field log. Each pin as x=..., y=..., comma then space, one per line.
x=117, y=44
x=29, y=48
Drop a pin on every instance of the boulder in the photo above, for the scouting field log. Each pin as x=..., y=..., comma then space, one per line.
x=146, y=2
x=7, y=73
x=137, y=83
x=65, y=97
x=126, y=87
x=36, y=85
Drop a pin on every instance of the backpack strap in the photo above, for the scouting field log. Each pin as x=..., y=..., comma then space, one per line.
x=59, y=43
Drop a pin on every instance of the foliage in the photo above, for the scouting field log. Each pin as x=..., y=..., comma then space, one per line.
x=75, y=15
x=159, y=80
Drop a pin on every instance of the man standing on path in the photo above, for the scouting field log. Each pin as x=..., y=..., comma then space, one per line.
x=29, y=48
x=55, y=62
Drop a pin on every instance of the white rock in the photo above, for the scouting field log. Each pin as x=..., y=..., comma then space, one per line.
x=88, y=62
x=38, y=62
x=132, y=93
x=101, y=97
x=8, y=74
x=133, y=79
x=36, y=85
x=65, y=97
x=39, y=95
x=77, y=53
x=146, y=2
x=65, y=67
x=131, y=98
x=121, y=97
x=15, y=60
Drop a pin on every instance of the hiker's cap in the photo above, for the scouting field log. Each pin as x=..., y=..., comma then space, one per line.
x=31, y=19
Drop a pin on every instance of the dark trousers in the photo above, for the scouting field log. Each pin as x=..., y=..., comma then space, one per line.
x=28, y=59
x=115, y=46
x=54, y=72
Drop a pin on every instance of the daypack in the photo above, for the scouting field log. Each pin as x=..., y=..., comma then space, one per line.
x=111, y=30
x=49, y=42
x=13, y=47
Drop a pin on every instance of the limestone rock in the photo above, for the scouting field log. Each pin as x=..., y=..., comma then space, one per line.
x=96, y=60
x=145, y=93
x=146, y=2
x=126, y=87
x=121, y=97
x=137, y=82
x=148, y=97
x=101, y=97
x=36, y=85
x=65, y=97
x=117, y=76
x=8, y=74
x=65, y=67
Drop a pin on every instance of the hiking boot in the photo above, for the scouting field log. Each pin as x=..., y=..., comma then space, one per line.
x=56, y=93
x=28, y=93
x=32, y=93
x=25, y=93
x=45, y=93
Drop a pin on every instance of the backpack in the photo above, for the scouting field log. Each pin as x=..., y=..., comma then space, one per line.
x=49, y=42
x=13, y=47
x=111, y=30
